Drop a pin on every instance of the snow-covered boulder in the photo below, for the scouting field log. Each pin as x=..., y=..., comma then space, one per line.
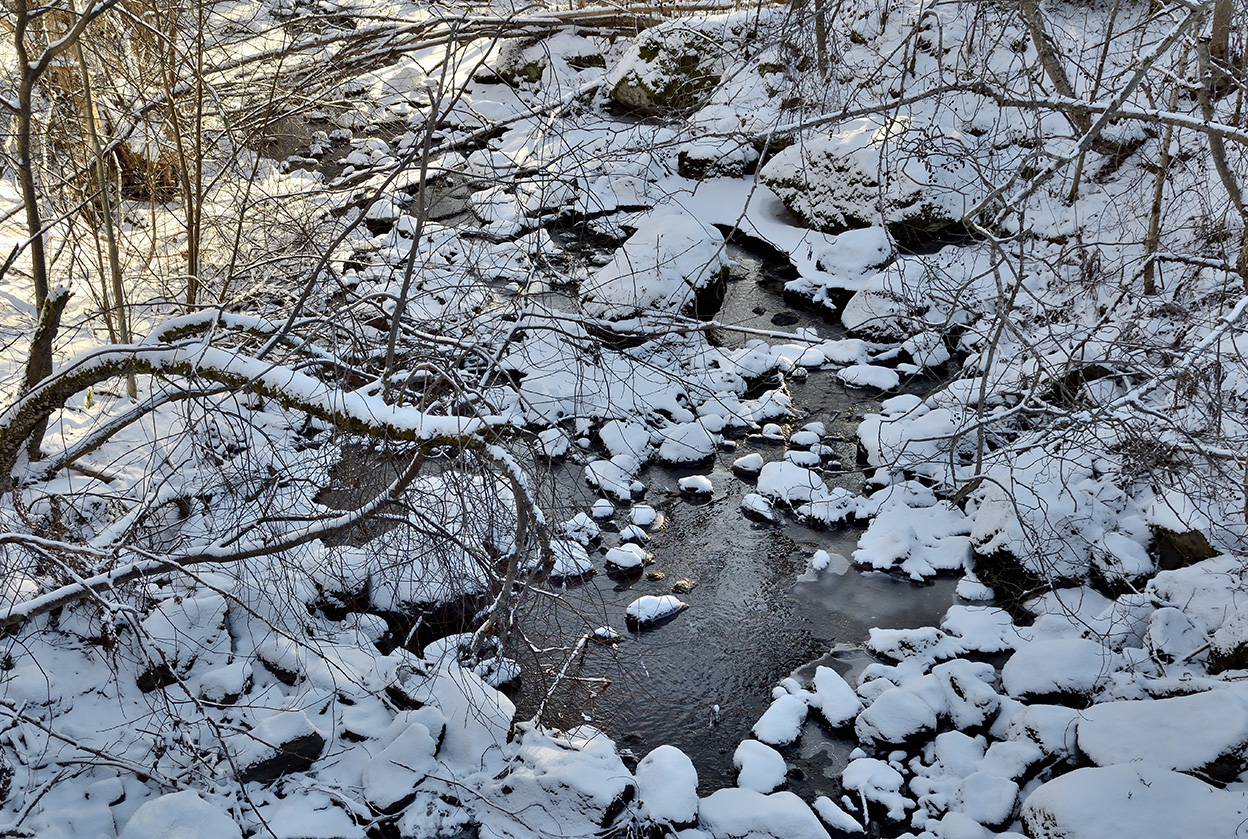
x=572, y=780
x=837, y=183
x=788, y=483
x=988, y=799
x=869, y=376
x=896, y=717
x=281, y=743
x=687, y=442
x=759, y=767
x=391, y=776
x=649, y=610
x=748, y=466
x=569, y=560
x=660, y=269
x=781, y=723
x=667, y=784
x=747, y=814
x=626, y=559
x=1064, y=671
x=834, y=698
x=673, y=67
x=876, y=782
x=696, y=486
x=1205, y=732
x=183, y=815
x=757, y=507
x=1132, y=800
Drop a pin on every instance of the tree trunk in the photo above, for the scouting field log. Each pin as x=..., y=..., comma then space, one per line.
x=1051, y=62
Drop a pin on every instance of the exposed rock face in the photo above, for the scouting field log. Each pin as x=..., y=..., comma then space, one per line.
x=836, y=183
x=673, y=67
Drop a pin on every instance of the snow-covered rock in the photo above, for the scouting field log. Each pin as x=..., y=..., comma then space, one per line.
x=626, y=558
x=643, y=515
x=390, y=778
x=746, y=814
x=869, y=376
x=748, y=466
x=659, y=269
x=834, y=698
x=673, y=67
x=667, y=784
x=696, y=486
x=988, y=799
x=648, y=610
x=759, y=766
x=1063, y=670
x=1188, y=733
x=1132, y=800
x=688, y=442
x=180, y=815
x=896, y=717
x=790, y=484
x=876, y=782
x=757, y=506
x=781, y=723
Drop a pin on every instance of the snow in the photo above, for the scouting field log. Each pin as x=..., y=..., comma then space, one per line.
x=788, y=483
x=781, y=723
x=670, y=257
x=1184, y=733
x=696, y=485
x=866, y=375
x=180, y=815
x=689, y=442
x=1081, y=420
x=757, y=506
x=834, y=698
x=1073, y=668
x=570, y=559
x=1132, y=800
x=895, y=717
x=392, y=775
x=759, y=767
x=643, y=515
x=748, y=814
x=627, y=557
x=988, y=799
x=648, y=610
x=667, y=784
x=748, y=466
x=875, y=781
x=836, y=818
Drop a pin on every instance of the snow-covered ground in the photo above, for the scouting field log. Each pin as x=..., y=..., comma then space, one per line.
x=183, y=655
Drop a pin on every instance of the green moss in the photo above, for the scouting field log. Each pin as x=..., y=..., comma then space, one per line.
x=581, y=62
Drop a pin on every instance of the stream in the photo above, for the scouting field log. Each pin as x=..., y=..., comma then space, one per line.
x=701, y=680
x=756, y=615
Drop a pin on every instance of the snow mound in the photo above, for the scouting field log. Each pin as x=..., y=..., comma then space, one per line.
x=1062, y=670
x=180, y=815
x=1184, y=733
x=760, y=767
x=667, y=784
x=869, y=376
x=1132, y=800
x=747, y=814
x=834, y=698
x=781, y=723
x=649, y=609
x=658, y=270
x=895, y=717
